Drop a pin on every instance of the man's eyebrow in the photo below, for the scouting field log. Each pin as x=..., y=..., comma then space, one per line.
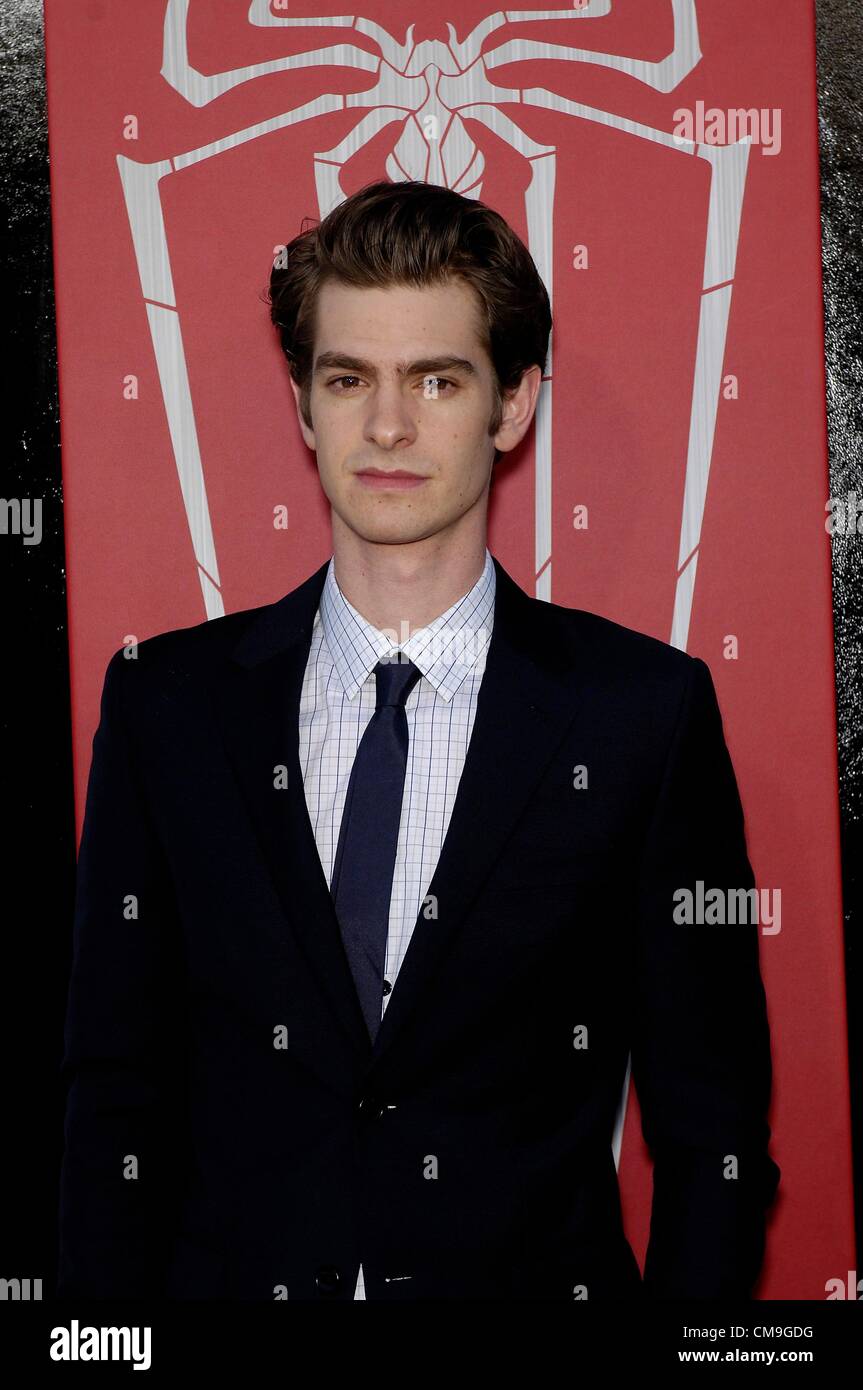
x=327, y=361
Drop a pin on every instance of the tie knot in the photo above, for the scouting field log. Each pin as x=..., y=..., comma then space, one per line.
x=395, y=680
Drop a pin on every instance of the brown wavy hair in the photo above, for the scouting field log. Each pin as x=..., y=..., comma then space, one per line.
x=415, y=234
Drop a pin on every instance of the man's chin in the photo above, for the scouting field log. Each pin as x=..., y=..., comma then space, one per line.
x=391, y=530
x=393, y=535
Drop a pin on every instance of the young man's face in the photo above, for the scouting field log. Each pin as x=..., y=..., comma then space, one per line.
x=402, y=384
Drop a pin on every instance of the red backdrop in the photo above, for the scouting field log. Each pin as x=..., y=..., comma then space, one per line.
x=684, y=404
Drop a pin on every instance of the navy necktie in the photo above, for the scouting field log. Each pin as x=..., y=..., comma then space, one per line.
x=362, y=880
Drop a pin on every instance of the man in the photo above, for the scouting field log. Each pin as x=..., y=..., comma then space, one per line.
x=377, y=882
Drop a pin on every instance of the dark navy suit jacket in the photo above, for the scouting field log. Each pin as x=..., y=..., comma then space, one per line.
x=230, y=1130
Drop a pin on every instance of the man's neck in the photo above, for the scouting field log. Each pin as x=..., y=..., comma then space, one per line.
x=400, y=588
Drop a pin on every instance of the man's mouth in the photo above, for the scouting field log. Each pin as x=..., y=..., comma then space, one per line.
x=385, y=478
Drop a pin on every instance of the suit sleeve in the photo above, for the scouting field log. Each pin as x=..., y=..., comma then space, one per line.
x=701, y=1048
x=123, y=1058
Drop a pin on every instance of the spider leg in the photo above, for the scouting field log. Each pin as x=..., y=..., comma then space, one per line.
x=539, y=198
x=200, y=88
x=140, y=183
x=468, y=51
x=143, y=205
x=663, y=76
x=394, y=52
x=728, y=164
x=329, y=163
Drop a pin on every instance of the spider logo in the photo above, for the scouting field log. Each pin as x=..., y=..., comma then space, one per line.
x=424, y=91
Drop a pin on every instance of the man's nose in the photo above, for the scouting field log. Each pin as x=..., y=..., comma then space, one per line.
x=390, y=420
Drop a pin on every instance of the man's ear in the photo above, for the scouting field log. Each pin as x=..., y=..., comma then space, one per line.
x=519, y=406
x=308, y=435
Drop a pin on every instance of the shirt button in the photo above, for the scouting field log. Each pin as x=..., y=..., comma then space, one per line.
x=327, y=1279
x=371, y=1107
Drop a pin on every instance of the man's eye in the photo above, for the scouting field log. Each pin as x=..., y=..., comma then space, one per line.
x=432, y=385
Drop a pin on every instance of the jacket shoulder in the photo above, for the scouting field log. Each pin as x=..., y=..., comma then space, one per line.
x=197, y=650
x=618, y=649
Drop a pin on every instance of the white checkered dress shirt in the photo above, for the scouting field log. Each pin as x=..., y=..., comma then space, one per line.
x=337, y=702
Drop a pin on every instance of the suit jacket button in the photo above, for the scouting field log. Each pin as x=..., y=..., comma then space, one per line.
x=327, y=1279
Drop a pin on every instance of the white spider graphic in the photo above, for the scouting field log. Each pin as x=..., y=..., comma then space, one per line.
x=427, y=89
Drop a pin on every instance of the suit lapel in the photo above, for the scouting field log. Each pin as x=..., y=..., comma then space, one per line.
x=526, y=702
x=257, y=709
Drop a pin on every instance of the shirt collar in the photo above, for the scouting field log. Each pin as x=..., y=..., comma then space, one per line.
x=444, y=651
